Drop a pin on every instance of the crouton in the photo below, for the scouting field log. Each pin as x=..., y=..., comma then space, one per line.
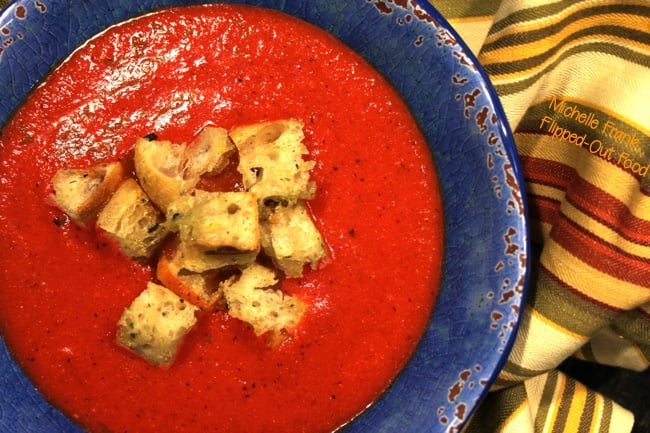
x=80, y=193
x=209, y=153
x=158, y=166
x=191, y=257
x=218, y=222
x=198, y=288
x=271, y=161
x=167, y=170
x=133, y=221
x=253, y=299
x=291, y=239
x=155, y=323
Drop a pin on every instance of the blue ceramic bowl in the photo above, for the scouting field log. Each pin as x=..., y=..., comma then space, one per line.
x=485, y=267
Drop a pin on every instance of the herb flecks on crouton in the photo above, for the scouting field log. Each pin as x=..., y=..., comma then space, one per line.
x=271, y=162
x=193, y=258
x=155, y=323
x=216, y=230
x=219, y=222
x=81, y=193
x=133, y=221
x=291, y=239
x=254, y=299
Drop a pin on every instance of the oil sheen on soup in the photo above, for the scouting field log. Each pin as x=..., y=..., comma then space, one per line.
x=171, y=73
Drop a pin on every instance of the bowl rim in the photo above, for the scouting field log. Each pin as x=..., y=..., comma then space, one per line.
x=508, y=143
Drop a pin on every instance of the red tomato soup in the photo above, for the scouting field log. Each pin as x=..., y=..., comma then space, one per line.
x=62, y=289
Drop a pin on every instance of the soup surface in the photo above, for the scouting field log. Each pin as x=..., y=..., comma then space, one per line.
x=62, y=289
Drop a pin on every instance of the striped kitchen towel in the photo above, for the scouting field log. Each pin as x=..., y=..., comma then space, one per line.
x=574, y=79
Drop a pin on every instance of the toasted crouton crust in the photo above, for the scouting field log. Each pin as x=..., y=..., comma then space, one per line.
x=158, y=166
x=154, y=324
x=166, y=170
x=80, y=193
x=271, y=161
x=196, y=287
x=291, y=239
x=253, y=299
x=208, y=153
x=133, y=221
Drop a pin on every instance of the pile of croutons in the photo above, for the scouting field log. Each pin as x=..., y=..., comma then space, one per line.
x=225, y=251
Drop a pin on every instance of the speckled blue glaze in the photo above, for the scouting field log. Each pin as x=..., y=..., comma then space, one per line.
x=485, y=269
